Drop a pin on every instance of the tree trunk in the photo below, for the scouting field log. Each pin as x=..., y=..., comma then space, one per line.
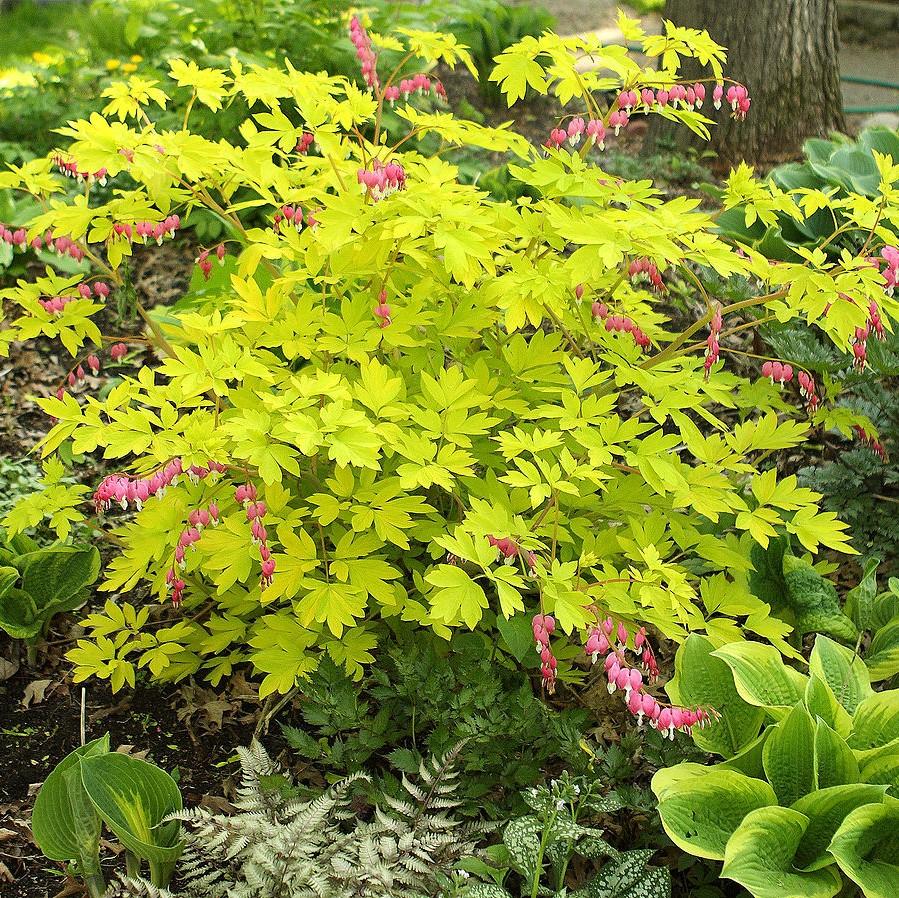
x=786, y=53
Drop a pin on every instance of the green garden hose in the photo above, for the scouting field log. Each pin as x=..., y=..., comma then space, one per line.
x=872, y=82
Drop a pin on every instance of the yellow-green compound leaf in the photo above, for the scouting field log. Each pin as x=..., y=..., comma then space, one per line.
x=133, y=797
x=826, y=810
x=760, y=853
x=842, y=670
x=61, y=828
x=835, y=764
x=702, y=680
x=876, y=721
x=760, y=675
x=457, y=597
x=336, y=604
x=702, y=811
x=866, y=847
x=789, y=756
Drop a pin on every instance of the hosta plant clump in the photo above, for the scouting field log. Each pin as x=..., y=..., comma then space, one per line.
x=804, y=802
x=397, y=398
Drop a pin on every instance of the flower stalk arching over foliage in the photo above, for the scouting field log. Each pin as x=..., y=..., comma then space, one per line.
x=423, y=374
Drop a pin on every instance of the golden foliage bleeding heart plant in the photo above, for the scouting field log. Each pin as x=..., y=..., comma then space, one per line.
x=394, y=382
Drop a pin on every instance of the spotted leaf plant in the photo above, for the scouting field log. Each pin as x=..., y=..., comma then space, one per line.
x=537, y=851
x=398, y=398
x=805, y=800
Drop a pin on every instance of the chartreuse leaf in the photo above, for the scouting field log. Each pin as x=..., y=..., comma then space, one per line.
x=64, y=822
x=749, y=760
x=456, y=597
x=882, y=659
x=133, y=797
x=701, y=811
x=821, y=702
x=880, y=765
x=789, y=756
x=8, y=577
x=826, y=810
x=702, y=680
x=866, y=848
x=759, y=856
x=876, y=720
x=843, y=671
x=760, y=675
x=835, y=764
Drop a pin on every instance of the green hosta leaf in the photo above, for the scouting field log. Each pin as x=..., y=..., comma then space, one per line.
x=814, y=600
x=861, y=598
x=56, y=577
x=789, y=756
x=706, y=681
x=821, y=702
x=876, y=720
x=701, y=811
x=766, y=580
x=522, y=838
x=843, y=671
x=885, y=606
x=760, y=675
x=882, y=659
x=835, y=764
x=881, y=138
x=880, y=765
x=18, y=614
x=64, y=823
x=133, y=797
x=866, y=847
x=826, y=810
x=760, y=853
x=8, y=577
x=749, y=760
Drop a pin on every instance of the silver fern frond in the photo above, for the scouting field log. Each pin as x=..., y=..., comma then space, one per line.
x=279, y=846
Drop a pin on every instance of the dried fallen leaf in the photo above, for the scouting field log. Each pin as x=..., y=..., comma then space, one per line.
x=5, y=873
x=35, y=692
x=218, y=804
x=8, y=669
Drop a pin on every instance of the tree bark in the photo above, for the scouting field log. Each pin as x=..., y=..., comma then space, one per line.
x=786, y=53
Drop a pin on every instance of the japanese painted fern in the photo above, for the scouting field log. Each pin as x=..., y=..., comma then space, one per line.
x=277, y=846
